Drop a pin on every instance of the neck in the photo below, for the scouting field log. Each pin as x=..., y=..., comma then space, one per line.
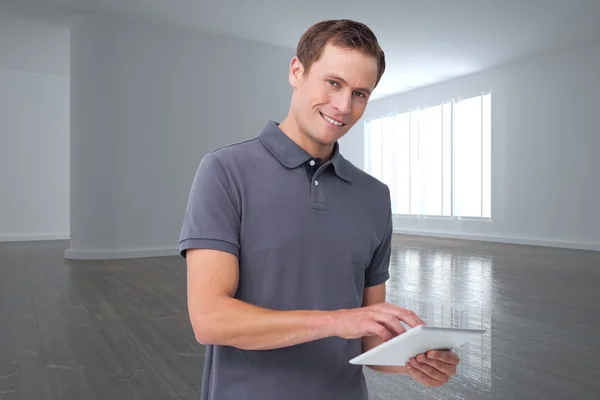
x=292, y=129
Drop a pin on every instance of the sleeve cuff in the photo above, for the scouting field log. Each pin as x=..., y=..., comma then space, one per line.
x=213, y=244
x=377, y=279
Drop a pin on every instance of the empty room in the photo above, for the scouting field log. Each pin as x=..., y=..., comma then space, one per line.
x=436, y=236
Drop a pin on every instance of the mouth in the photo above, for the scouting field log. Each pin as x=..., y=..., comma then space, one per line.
x=332, y=121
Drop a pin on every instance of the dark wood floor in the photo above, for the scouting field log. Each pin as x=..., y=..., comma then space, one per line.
x=120, y=330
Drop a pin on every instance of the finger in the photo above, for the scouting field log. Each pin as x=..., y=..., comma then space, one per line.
x=448, y=369
x=447, y=357
x=430, y=371
x=407, y=316
x=421, y=377
x=380, y=330
x=391, y=323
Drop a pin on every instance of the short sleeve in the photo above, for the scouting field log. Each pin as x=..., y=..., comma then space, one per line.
x=212, y=217
x=378, y=270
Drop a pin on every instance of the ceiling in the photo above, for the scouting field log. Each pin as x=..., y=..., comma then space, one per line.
x=425, y=41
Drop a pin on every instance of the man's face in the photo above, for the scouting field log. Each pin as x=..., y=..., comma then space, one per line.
x=331, y=97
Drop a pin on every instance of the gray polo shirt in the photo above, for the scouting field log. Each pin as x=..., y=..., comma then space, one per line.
x=308, y=236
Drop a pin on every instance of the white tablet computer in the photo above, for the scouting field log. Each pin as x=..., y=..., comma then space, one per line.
x=415, y=341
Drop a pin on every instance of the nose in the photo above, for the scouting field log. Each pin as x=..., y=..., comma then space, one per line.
x=342, y=102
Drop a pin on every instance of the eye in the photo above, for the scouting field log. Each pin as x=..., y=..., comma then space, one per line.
x=359, y=94
x=333, y=83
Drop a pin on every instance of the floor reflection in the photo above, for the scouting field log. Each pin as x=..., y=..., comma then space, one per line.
x=448, y=290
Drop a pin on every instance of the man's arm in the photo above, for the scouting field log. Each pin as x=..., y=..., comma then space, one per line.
x=218, y=318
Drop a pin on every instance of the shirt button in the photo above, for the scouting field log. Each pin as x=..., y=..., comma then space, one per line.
x=316, y=183
x=312, y=163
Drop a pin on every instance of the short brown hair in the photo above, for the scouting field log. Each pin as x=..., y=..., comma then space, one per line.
x=344, y=33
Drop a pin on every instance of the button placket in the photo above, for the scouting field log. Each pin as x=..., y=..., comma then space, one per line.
x=317, y=195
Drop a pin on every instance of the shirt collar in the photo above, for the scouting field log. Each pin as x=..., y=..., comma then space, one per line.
x=292, y=156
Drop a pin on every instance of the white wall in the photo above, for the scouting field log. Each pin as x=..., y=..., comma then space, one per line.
x=545, y=146
x=147, y=103
x=34, y=131
x=33, y=46
x=352, y=145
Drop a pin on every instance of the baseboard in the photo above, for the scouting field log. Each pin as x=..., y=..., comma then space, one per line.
x=34, y=237
x=509, y=240
x=119, y=254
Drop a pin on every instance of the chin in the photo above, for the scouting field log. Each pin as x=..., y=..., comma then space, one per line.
x=324, y=140
x=325, y=136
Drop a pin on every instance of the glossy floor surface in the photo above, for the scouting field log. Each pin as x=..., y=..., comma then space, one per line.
x=119, y=329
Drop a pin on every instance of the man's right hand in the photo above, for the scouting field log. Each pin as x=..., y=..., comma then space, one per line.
x=382, y=320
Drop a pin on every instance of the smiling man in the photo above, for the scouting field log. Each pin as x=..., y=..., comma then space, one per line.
x=288, y=244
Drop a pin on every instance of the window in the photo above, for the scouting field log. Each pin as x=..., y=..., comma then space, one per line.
x=435, y=160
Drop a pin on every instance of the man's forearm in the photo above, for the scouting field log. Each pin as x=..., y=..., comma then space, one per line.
x=389, y=369
x=232, y=322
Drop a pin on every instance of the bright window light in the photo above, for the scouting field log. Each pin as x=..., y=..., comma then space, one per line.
x=435, y=160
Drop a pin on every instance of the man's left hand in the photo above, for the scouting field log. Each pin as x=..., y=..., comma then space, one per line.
x=435, y=368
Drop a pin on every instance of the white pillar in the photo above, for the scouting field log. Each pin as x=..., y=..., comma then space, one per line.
x=94, y=139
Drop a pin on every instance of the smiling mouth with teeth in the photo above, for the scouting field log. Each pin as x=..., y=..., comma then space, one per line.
x=331, y=120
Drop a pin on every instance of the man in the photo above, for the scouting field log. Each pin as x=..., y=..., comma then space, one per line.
x=288, y=244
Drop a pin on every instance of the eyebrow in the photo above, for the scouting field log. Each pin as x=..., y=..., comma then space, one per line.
x=338, y=78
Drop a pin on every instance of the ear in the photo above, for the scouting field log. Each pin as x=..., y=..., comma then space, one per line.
x=296, y=72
